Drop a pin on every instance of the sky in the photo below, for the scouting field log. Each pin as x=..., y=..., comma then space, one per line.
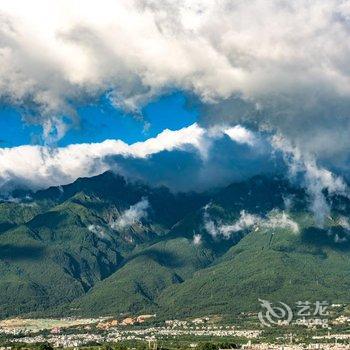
x=101, y=121
x=172, y=90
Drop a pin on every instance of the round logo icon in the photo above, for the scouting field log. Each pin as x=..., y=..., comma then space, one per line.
x=273, y=314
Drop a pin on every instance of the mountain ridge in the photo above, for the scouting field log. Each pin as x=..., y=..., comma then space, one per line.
x=104, y=245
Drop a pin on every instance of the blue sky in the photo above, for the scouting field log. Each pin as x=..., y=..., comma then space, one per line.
x=270, y=81
x=103, y=121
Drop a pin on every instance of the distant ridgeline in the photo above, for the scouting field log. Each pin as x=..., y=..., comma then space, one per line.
x=102, y=246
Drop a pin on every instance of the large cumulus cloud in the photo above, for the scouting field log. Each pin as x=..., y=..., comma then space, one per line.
x=187, y=159
x=286, y=59
x=275, y=66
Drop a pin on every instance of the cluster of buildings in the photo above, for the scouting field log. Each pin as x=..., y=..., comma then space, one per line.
x=105, y=330
x=128, y=321
x=114, y=331
x=341, y=320
x=63, y=341
x=267, y=346
x=194, y=331
x=19, y=326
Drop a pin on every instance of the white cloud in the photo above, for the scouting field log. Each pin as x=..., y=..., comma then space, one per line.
x=344, y=223
x=209, y=225
x=40, y=166
x=97, y=230
x=58, y=51
x=57, y=54
x=277, y=219
x=197, y=239
x=340, y=240
x=240, y=134
x=246, y=221
x=315, y=179
x=131, y=216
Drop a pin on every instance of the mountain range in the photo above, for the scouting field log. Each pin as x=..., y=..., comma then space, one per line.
x=106, y=246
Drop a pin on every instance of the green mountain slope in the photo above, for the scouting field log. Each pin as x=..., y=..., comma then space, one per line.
x=57, y=246
x=289, y=267
x=107, y=246
x=137, y=285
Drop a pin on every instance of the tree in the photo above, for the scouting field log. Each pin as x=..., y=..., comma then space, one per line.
x=45, y=346
x=208, y=346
